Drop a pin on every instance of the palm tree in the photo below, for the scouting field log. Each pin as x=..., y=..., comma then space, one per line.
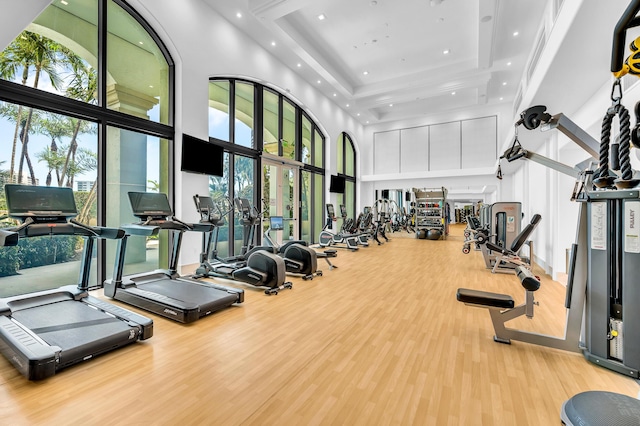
x=83, y=87
x=55, y=127
x=30, y=50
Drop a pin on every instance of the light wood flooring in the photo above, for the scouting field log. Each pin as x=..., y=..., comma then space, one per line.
x=380, y=340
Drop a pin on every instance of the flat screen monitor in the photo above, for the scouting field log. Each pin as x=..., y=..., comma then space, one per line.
x=276, y=223
x=202, y=157
x=40, y=201
x=337, y=184
x=149, y=204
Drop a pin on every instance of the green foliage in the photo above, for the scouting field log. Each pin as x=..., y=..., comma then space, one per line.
x=32, y=252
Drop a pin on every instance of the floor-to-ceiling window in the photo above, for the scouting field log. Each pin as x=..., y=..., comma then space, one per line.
x=78, y=66
x=346, y=162
x=256, y=125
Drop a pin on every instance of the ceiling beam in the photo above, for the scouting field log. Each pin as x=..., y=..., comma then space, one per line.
x=487, y=14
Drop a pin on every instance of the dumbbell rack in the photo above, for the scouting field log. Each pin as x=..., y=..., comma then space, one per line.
x=430, y=210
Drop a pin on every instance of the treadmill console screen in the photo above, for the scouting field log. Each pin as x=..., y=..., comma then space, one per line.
x=40, y=201
x=203, y=203
x=276, y=223
x=150, y=204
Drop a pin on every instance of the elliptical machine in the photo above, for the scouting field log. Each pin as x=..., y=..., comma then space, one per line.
x=299, y=259
x=349, y=227
x=328, y=238
x=260, y=269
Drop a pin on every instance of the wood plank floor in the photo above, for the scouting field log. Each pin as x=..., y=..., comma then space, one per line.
x=380, y=340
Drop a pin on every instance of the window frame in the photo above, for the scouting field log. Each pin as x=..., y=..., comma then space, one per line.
x=103, y=116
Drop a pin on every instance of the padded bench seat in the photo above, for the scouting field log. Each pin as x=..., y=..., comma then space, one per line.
x=485, y=298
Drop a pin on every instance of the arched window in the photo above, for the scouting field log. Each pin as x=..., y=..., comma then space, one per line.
x=271, y=144
x=347, y=168
x=86, y=101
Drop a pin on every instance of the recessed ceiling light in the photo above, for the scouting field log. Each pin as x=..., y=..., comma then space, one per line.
x=501, y=98
x=365, y=72
x=347, y=105
x=445, y=52
x=150, y=87
x=64, y=2
x=322, y=17
x=390, y=105
x=453, y=93
x=367, y=121
x=140, y=42
x=504, y=83
x=319, y=81
x=335, y=94
x=358, y=114
x=515, y=33
x=273, y=43
x=299, y=64
x=239, y=15
x=509, y=63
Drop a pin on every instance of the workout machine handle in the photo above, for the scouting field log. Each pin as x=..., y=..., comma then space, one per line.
x=626, y=21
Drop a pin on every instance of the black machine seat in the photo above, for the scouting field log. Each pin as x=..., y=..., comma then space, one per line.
x=522, y=237
x=497, y=300
x=520, y=240
x=484, y=298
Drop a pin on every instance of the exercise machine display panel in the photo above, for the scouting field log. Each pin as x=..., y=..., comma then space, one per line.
x=149, y=204
x=40, y=201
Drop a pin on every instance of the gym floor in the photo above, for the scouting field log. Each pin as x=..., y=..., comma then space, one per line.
x=380, y=340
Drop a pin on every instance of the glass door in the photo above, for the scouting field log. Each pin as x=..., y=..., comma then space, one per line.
x=280, y=189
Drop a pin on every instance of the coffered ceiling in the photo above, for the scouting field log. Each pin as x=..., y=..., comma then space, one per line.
x=394, y=59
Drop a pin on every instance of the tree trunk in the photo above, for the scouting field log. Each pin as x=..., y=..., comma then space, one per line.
x=85, y=213
x=25, y=76
x=25, y=153
x=70, y=154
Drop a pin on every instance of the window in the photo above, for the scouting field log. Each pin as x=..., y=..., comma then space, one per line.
x=137, y=69
x=288, y=130
x=243, y=187
x=266, y=122
x=347, y=168
x=219, y=192
x=219, y=101
x=243, y=131
x=271, y=122
x=55, y=62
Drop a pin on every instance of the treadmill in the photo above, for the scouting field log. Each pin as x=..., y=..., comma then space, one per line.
x=45, y=331
x=164, y=291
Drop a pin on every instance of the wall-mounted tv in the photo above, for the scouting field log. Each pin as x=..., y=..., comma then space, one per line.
x=337, y=184
x=200, y=156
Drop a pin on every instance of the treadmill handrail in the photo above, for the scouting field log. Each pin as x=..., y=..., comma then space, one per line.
x=30, y=228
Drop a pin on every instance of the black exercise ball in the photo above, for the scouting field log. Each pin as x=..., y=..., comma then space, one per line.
x=433, y=234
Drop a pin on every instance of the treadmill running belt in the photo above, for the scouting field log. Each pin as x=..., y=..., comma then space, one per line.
x=208, y=298
x=79, y=330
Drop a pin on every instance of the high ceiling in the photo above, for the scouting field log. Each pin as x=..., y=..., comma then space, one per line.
x=394, y=59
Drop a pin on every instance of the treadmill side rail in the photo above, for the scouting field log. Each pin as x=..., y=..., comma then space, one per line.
x=133, y=319
x=32, y=358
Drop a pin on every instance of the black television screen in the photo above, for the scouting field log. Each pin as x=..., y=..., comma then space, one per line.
x=200, y=156
x=337, y=184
